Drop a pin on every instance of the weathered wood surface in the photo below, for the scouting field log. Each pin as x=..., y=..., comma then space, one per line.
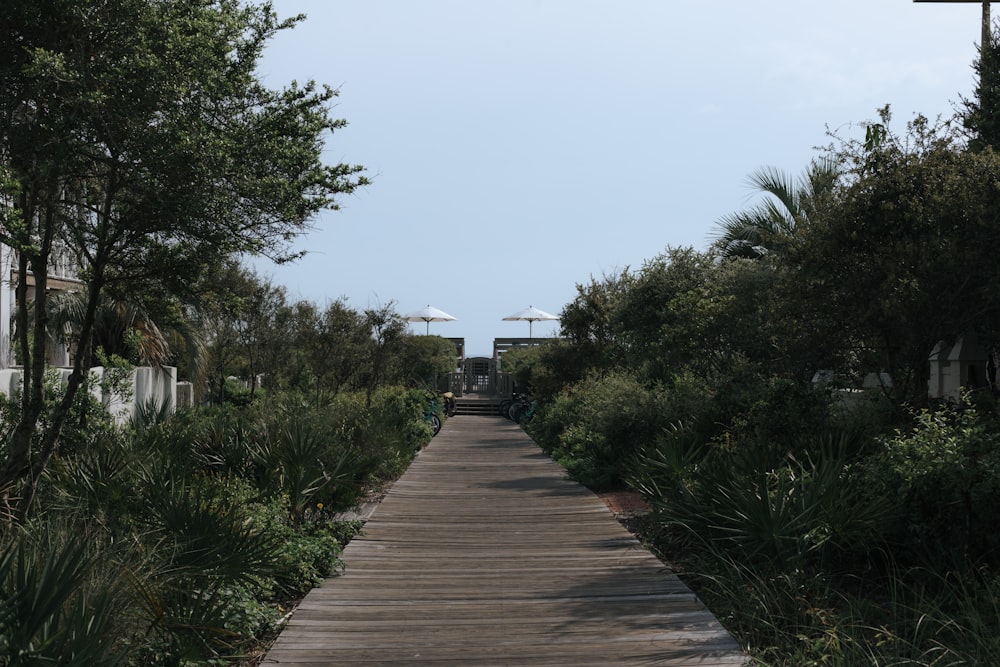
x=484, y=553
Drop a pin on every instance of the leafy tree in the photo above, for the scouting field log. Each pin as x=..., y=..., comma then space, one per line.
x=595, y=427
x=904, y=260
x=139, y=135
x=425, y=358
x=590, y=322
x=387, y=330
x=521, y=363
x=255, y=329
x=243, y=310
x=332, y=343
x=672, y=316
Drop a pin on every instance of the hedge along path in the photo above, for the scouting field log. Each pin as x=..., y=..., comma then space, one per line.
x=484, y=553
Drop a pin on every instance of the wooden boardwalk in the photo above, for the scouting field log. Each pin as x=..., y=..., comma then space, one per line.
x=484, y=553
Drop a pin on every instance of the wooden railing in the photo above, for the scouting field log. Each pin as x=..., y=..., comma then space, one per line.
x=495, y=384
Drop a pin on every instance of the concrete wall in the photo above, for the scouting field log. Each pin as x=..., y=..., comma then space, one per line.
x=145, y=385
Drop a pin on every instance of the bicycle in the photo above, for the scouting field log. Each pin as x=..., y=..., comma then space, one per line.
x=431, y=416
x=521, y=409
x=507, y=405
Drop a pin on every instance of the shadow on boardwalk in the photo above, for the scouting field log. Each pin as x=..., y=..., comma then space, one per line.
x=484, y=553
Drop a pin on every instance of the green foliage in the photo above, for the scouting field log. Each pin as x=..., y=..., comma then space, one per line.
x=981, y=114
x=235, y=393
x=207, y=532
x=890, y=616
x=594, y=427
x=809, y=558
x=199, y=569
x=89, y=418
x=306, y=559
x=545, y=370
x=786, y=517
x=100, y=483
x=388, y=331
x=687, y=309
x=163, y=156
x=590, y=328
x=396, y=424
x=893, y=617
x=590, y=318
x=308, y=546
x=423, y=359
x=193, y=531
x=51, y=613
x=768, y=225
x=772, y=417
x=902, y=261
x=332, y=344
x=668, y=310
x=796, y=504
x=523, y=363
x=305, y=464
x=944, y=475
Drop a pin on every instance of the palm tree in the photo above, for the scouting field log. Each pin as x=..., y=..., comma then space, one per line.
x=126, y=328
x=759, y=230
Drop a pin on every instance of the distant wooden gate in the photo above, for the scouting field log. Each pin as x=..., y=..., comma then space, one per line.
x=480, y=376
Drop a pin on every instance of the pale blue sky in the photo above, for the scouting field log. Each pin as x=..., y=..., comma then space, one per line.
x=519, y=147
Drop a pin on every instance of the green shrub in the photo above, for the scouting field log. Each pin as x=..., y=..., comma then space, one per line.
x=944, y=475
x=892, y=617
x=208, y=559
x=304, y=463
x=86, y=421
x=398, y=418
x=522, y=363
x=103, y=484
x=223, y=439
x=594, y=427
x=387, y=430
x=309, y=546
x=772, y=417
x=306, y=559
x=234, y=393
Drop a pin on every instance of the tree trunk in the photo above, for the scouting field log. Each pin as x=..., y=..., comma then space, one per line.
x=32, y=349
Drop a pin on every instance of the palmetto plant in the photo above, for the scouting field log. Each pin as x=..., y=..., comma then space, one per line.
x=204, y=557
x=209, y=535
x=783, y=518
x=228, y=443
x=50, y=610
x=304, y=464
x=787, y=203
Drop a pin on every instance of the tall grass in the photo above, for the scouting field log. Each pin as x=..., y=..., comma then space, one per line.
x=912, y=617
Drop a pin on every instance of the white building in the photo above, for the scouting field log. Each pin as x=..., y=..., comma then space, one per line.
x=63, y=275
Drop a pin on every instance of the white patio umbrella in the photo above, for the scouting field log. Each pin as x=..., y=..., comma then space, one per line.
x=428, y=315
x=532, y=315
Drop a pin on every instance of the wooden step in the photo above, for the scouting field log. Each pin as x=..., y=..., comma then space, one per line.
x=477, y=406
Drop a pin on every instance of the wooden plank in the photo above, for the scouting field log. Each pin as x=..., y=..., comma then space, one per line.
x=484, y=553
